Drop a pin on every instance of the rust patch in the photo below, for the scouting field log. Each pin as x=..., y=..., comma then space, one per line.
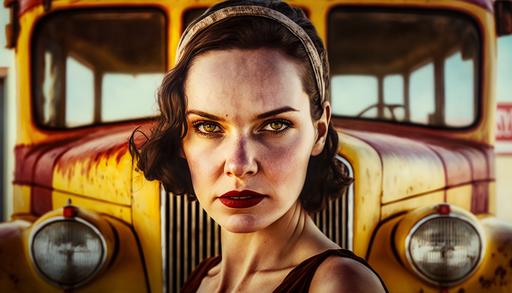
x=93, y=148
x=499, y=278
x=500, y=272
x=485, y=283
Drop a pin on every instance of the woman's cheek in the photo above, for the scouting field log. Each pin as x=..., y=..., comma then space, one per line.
x=202, y=158
x=285, y=159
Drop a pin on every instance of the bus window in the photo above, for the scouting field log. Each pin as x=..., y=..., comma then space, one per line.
x=394, y=96
x=426, y=65
x=504, y=98
x=460, y=104
x=421, y=92
x=354, y=94
x=97, y=66
x=79, y=93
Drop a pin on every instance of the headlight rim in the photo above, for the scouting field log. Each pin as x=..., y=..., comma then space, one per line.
x=453, y=214
x=104, y=252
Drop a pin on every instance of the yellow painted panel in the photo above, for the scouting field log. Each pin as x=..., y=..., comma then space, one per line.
x=367, y=189
x=59, y=199
x=406, y=205
x=484, y=279
x=105, y=176
x=126, y=273
x=460, y=196
x=503, y=187
x=493, y=199
x=21, y=199
x=146, y=221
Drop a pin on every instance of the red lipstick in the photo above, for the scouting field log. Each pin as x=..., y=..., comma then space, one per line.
x=241, y=199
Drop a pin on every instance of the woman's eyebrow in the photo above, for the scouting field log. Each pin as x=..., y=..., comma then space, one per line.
x=206, y=115
x=276, y=111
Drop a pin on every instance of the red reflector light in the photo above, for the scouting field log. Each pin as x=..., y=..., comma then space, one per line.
x=443, y=209
x=70, y=211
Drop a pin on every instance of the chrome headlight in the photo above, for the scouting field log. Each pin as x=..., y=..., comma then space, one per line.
x=444, y=246
x=69, y=250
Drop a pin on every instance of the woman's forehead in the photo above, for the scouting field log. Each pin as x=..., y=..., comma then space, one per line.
x=265, y=61
x=235, y=80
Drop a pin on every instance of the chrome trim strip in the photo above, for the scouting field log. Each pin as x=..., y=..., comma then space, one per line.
x=52, y=220
x=461, y=217
x=350, y=204
x=163, y=238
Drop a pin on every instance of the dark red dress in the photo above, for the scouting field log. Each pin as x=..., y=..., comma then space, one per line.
x=298, y=280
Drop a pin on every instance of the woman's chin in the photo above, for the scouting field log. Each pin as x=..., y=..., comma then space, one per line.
x=241, y=223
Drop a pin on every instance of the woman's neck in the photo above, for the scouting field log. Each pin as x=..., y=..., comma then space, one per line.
x=277, y=248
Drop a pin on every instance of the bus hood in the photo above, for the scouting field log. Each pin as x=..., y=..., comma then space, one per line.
x=415, y=166
x=96, y=165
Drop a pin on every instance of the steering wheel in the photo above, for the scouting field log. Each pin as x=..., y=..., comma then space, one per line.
x=390, y=107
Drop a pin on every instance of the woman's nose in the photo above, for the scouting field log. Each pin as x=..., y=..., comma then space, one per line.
x=240, y=160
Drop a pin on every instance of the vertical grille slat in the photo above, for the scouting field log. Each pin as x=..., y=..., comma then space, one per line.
x=204, y=234
x=197, y=228
x=189, y=240
x=194, y=236
x=172, y=243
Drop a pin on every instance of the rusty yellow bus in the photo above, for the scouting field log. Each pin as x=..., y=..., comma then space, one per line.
x=413, y=100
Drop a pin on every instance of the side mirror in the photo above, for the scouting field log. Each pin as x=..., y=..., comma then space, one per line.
x=503, y=17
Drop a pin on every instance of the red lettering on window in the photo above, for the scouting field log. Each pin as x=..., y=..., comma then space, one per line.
x=504, y=122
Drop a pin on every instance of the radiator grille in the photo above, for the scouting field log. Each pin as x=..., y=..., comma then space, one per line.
x=193, y=236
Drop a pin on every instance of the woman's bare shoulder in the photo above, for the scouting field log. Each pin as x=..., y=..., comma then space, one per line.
x=341, y=274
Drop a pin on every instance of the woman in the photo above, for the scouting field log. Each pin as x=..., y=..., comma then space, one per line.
x=245, y=128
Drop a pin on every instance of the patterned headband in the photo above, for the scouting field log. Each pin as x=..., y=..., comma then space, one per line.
x=259, y=11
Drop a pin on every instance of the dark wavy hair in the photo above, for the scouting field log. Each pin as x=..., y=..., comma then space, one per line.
x=160, y=158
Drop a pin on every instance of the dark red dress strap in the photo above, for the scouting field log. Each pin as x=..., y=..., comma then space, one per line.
x=299, y=279
x=193, y=282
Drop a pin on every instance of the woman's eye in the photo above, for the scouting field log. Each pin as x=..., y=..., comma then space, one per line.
x=207, y=127
x=276, y=126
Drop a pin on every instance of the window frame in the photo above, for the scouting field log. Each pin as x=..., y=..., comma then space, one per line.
x=479, y=94
x=38, y=121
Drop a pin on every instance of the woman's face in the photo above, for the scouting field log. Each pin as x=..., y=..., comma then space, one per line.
x=250, y=136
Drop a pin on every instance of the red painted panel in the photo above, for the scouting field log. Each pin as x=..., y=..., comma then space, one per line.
x=26, y=5
x=43, y=175
x=97, y=145
x=40, y=200
x=456, y=166
x=480, y=198
x=35, y=164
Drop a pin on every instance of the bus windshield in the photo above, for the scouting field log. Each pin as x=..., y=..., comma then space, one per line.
x=404, y=66
x=96, y=66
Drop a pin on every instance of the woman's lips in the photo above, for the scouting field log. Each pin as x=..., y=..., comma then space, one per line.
x=241, y=199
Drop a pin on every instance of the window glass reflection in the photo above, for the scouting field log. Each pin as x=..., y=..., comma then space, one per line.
x=354, y=94
x=97, y=66
x=458, y=95
x=423, y=66
x=79, y=90
x=422, y=94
